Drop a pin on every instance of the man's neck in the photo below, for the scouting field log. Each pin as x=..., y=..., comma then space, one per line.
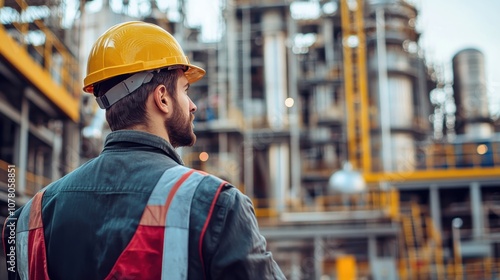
x=152, y=129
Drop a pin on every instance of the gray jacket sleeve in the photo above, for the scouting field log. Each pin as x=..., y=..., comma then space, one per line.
x=240, y=252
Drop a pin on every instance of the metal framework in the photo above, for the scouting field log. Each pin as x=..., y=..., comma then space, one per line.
x=356, y=84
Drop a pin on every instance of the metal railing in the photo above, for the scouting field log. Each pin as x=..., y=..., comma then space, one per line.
x=386, y=202
x=64, y=70
x=461, y=155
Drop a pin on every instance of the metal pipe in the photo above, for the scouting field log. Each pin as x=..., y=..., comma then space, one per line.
x=222, y=59
x=455, y=228
x=384, y=100
x=23, y=146
x=435, y=206
x=247, y=97
x=477, y=211
x=328, y=29
x=295, y=164
x=232, y=52
x=56, y=154
x=319, y=256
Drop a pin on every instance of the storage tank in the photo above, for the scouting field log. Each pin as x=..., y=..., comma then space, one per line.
x=469, y=86
x=397, y=84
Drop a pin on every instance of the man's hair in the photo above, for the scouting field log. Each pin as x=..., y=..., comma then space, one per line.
x=131, y=110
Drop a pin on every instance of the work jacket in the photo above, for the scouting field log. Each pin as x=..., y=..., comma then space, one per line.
x=135, y=212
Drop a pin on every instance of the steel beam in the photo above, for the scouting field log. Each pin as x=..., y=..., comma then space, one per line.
x=335, y=231
x=41, y=79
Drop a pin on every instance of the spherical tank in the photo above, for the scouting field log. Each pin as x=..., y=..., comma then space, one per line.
x=347, y=181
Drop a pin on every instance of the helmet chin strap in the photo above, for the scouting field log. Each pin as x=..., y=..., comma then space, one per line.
x=123, y=89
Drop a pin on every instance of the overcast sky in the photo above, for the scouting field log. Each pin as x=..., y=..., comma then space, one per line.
x=449, y=26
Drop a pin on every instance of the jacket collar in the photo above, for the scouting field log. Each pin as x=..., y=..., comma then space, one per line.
x=142, y=139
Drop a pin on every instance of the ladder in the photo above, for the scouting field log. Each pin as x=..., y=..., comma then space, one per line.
x=356, y=84
x=423, y=246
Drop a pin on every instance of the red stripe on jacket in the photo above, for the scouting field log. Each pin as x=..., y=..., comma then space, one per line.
x=37, y=258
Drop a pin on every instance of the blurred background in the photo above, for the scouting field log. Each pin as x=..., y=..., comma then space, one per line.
x=365, y=132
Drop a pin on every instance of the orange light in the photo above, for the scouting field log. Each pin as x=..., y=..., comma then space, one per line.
x=203, y=156
x=482, y=149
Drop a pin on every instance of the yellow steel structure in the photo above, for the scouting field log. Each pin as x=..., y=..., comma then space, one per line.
x=356, y=84
x=358, y=122
x=445, y=161
x=59, y=83
x=423, y=253
x=427, y=175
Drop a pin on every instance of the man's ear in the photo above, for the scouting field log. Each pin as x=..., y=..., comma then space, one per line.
x=161, y=100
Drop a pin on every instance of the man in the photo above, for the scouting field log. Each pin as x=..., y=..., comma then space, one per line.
x=135, y=212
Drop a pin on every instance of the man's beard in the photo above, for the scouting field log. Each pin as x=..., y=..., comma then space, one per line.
x=180, y=129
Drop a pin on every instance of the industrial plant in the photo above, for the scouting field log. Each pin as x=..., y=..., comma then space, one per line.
x=325, y=113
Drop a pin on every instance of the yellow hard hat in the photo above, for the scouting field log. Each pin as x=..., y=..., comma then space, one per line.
x=133, y=47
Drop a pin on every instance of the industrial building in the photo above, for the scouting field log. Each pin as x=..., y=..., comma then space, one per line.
x=39, y=101
x=317, y=110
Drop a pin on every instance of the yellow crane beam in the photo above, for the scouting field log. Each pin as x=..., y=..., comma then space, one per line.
x=64, y=91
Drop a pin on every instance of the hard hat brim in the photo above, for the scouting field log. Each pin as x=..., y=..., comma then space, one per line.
x=193, y=74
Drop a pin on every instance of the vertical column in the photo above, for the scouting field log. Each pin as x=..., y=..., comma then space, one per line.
x=295, y=163
x=477, y=211
x=319, y=256
x=56, y=154
x=296, y=273
x=372, y=248
x=40, y=168
x=424, y=108
x=232, y=51
x=383, y=91
x=247, y=101
x=328, y=35
x=279, y=157
x=435, y=206
x=23, y=146
x=212, y=82
x=179, y=26
x=222, y=74
x=275, y=72
x=71, y=144
x=275, y=68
